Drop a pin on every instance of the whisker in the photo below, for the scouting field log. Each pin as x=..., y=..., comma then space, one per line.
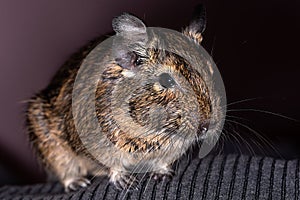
x=134, y=171
x=100, y=169
x=235, y=117
x=236, y=135
x=144, y=175
x=262, y=138
x=221, y=143
x=263, y=111
x=236, y=139
x=141, y=167
x=244, y=100
x=248, y=145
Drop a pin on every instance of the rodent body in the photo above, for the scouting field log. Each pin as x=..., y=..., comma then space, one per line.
x=149, y=140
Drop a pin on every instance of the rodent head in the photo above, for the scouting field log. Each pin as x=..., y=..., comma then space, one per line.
x=147, y=97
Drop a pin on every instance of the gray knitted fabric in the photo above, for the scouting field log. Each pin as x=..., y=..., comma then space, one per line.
x=214, y=177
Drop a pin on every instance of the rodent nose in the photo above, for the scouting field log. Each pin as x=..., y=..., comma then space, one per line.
x=204, y=127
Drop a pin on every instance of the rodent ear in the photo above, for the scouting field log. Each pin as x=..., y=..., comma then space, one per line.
x=130, y=41
x=127, y=60
x=128, y=24
x=197, y=24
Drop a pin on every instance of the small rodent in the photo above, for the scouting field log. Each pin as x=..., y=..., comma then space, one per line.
x=165, y=120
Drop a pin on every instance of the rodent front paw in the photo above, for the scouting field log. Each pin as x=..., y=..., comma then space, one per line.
x=75, y=183
x=123, y=180
x=163, y=175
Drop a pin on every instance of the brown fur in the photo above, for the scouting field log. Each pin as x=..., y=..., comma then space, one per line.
x=53, y=133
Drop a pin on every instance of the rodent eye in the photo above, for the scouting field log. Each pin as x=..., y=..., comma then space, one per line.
x=166, y=80
x=138, y=60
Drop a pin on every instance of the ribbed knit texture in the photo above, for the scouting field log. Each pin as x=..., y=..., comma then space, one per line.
x=214, y=177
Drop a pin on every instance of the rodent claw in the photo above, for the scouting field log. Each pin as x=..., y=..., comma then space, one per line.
x=163, y=176
x=74, y=184
x=124, y=181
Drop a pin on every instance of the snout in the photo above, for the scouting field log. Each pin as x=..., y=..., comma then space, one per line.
x=203, y=128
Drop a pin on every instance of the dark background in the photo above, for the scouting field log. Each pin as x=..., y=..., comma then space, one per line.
x=254, y=43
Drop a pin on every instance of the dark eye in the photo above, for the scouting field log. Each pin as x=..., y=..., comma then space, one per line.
x=138, y=60
x=166, y=80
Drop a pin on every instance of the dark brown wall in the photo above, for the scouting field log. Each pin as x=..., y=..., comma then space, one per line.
x=255, y=45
